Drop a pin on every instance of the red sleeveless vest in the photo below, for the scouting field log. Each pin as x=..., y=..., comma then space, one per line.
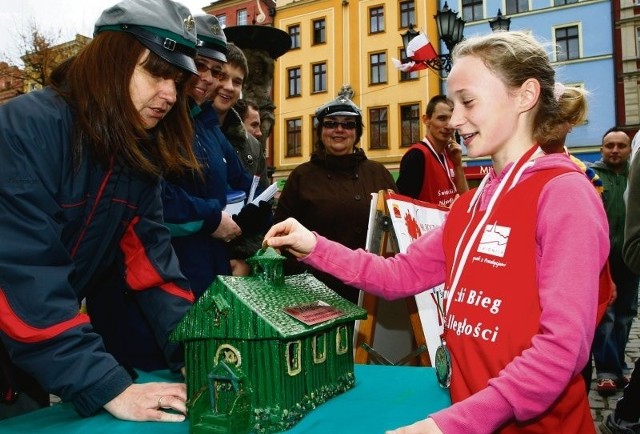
x=437, y=185
x=495, y=310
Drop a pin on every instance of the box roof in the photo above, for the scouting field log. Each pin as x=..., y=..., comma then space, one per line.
x=251, y=308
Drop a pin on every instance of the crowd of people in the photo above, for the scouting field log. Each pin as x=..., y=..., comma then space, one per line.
x=113, y=197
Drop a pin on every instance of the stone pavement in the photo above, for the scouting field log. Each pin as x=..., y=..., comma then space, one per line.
x=601, y=407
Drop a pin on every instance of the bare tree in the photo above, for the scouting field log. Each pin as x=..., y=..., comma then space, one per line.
x=40, y=53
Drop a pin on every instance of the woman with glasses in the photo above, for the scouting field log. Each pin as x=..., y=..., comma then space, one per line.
x=331, y=193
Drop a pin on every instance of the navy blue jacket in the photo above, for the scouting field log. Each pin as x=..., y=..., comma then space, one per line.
x=193, y=204
x=192, y=210
x=61, y=227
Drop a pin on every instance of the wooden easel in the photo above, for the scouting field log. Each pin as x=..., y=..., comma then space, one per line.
x=383, y=243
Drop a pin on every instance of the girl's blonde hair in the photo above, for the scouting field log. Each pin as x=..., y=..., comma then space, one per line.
x=516, y=57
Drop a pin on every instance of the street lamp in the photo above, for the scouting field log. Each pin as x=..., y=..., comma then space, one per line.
x=450, y=29
x=500, y=23
x=450, y=26
x=408, y=35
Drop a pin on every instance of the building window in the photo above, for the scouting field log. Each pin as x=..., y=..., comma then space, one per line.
x=378, y=129
x=319, y=32
x=319, y=77
x=222, y=20
x=409, y=124
x=342, y=340
x=405, y=76
x=638, y=39
x=294, y=356
x=295, y=81
x=294, y=33
x=319, y=345
x=563, y=2
x=472, y=10
x=516, y=6
x=407, y=13
x=294, y=137
x=376, y=19
x=241, y=17
x=378, y=68
x=567, y=43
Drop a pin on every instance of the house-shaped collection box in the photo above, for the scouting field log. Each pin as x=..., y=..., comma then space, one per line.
x=262, y=351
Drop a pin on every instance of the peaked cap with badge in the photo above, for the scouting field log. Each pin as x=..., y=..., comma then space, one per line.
x=212, y=42
x=341, y=106
x=163, y=26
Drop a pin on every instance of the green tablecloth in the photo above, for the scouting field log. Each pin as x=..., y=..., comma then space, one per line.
x=384, y=397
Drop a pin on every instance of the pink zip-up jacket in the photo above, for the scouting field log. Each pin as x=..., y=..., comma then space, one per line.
x=572, y=246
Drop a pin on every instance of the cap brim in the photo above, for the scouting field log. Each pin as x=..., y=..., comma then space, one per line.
x=211, y=54
x=341, y=114
x=176, y=58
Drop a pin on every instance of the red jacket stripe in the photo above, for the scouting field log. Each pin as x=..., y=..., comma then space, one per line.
x=141, y=274
x=18, y=330
x=174, y=289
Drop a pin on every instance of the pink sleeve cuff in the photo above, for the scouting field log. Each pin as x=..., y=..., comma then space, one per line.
x=481, y=413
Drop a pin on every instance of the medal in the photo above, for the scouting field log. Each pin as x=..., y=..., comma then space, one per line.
x=443, y=365
x=443, y=356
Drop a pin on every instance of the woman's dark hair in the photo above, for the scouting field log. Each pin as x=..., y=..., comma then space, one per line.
x=96, y=82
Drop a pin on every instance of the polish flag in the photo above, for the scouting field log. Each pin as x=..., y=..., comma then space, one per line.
x=418, y=50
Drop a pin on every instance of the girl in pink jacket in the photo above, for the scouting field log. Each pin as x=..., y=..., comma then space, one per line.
x=520, y=255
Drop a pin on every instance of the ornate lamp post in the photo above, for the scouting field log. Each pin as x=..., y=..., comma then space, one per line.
x=450, y=29
x=500, y=23
x=408, y=36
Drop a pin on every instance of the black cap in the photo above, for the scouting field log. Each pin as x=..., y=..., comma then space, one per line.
x=163, y=26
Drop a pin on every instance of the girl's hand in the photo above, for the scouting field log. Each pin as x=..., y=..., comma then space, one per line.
x=292, y=236
x=426, y=426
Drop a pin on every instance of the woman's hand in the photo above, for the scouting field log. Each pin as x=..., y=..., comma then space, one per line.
x=426, y=426
x=228, y=229
x=147, y=402
x=292, y=236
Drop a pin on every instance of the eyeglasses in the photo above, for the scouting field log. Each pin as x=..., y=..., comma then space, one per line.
x=216, y=71
x=219, y=74
x=349, y=125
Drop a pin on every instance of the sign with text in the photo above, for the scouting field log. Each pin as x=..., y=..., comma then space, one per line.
x=313, y=313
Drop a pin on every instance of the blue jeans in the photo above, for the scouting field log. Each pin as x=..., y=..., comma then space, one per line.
x=612, y=334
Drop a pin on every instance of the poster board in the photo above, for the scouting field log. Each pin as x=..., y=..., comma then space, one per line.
x=395, y=221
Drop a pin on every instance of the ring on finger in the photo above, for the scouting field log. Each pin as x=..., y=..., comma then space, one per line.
x=160, y=402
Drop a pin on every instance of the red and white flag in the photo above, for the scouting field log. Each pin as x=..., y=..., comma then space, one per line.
x=419, y=49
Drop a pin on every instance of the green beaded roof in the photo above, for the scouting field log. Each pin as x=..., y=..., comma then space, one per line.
x=252, y=308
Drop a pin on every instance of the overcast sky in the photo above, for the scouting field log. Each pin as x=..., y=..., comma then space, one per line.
x=53, y=16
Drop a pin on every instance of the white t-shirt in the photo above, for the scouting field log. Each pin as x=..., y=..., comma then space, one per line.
x=635, y=145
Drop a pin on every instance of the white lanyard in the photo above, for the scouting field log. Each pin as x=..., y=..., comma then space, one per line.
x=511, y=178
x=443, y=164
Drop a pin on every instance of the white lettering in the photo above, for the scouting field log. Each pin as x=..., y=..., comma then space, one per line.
x=463, y=328
x=480, y=300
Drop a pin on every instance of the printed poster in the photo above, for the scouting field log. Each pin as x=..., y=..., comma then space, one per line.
x=411, y=219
